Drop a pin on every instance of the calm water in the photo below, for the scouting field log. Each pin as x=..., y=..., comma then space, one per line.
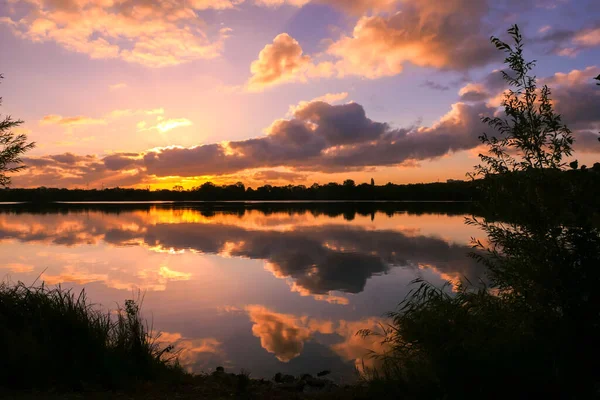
x=268, y=288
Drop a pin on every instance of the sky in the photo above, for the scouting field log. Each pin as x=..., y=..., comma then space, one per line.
x=157, y=93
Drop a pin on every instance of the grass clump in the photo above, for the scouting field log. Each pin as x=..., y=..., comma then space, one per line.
x=55, y=339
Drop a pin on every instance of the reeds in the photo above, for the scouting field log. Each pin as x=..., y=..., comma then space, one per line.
x=55, y=338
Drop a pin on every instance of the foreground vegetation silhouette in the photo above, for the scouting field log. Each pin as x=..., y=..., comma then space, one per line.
x=534, y=330
x=56, y=339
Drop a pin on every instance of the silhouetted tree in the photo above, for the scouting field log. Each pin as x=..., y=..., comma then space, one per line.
x=12, y=147
x=532, y=135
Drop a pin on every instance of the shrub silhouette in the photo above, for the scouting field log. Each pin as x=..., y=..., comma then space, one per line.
x=534, y=331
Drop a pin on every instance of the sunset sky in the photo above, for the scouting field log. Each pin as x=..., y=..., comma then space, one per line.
x=178, y=92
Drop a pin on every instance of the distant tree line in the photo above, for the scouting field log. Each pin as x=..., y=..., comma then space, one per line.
x=447, y=191
x=452, y=191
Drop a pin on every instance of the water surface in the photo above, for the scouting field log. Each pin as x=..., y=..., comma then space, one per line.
x=266, y=287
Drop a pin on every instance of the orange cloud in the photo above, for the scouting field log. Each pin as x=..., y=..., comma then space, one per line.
x=162, y=125
x=158, y=280
x=214, y=4
x=358, y=348
x=425, y=33
x=329, y=298
x=281, y=61
x=278, y=3
x=72, y=274
x=285, y=334
x=573, y=77
x=146, y=279
x=588, y=38
x=191, y=353
x=154, y=34
x=18, y=267
x=280, y=334
x=169, y=124
x=361, y=6
x=54, y=119
x=351, y=6
x=129, y=112
x=117, y=86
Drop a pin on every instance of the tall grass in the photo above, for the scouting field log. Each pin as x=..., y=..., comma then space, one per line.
x=55, y=338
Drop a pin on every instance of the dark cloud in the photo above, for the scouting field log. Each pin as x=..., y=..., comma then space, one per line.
x=474, y=95
x=209, y=159
x=324, y=137
x=569, y=42
x=575, y=95
x=321, y=259
x=66, y=158
x=69, y=170
x=319, y=137
x=121, y=161
x=490, y=85
x=435, y=86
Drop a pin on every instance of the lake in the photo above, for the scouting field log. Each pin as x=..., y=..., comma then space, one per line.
x=265, y=287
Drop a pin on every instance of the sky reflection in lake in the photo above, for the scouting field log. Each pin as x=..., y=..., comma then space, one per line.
x=265, y=290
